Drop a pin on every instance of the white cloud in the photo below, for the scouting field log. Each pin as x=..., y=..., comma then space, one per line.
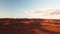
x=44, y=13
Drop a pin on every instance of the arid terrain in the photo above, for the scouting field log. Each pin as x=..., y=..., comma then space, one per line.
x=29, y=26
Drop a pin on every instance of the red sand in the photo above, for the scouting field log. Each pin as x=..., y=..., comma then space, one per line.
x=27, y=26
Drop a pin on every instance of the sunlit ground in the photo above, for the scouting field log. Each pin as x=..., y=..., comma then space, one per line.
x=29, y=26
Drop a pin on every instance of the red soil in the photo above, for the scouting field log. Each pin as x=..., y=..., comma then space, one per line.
x=27, y=26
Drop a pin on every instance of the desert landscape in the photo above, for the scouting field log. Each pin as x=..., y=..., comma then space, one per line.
x=29, y=26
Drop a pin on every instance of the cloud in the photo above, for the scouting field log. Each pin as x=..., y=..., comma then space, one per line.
x=44, y=13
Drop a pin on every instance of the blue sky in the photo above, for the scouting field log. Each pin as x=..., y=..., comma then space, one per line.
x=17, y=8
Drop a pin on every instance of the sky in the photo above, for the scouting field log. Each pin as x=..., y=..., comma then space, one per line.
x=18, y=8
